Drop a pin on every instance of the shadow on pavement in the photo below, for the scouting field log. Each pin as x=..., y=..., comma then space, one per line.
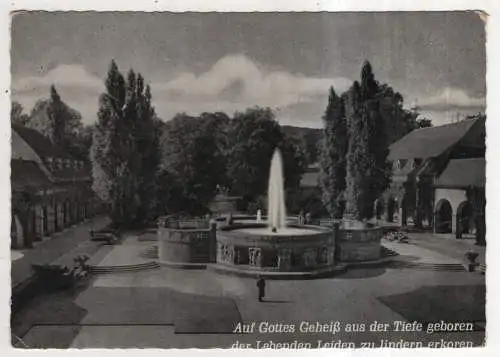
x=277, y=301
x=362, y=273
x=49, y=309
x=450, y=303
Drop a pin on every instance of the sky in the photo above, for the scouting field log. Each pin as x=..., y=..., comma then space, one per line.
x=202, y=62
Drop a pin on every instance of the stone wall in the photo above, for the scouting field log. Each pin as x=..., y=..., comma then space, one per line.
x=355, y=245
x=308, y=252
x=186, y=246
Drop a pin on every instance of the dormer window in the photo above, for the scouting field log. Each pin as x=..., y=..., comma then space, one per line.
x=416, y=163
x=50, y=162
x=59, y=164
x=400, y=164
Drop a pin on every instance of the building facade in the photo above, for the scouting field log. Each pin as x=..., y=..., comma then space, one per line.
x=432, y=171
x=51, y=190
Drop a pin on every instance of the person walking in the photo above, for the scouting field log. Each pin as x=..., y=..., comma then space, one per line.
x=261, y=285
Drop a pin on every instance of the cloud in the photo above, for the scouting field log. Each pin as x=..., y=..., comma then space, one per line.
x=64, y=76
x=233, y=83
x=452, y=99
x=77, y=87
x=236, y=82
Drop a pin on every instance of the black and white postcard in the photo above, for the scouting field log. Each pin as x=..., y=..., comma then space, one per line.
x=248, y=180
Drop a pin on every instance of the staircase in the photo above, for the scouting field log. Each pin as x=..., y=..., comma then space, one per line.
x=482, y=268
x=124, y=268
x=427, y=266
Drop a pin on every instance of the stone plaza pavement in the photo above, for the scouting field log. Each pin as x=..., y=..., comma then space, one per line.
x=448, y=245
x=166, y=307
x=60, y=248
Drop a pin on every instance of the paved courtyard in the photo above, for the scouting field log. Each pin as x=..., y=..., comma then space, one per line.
x=166, y=307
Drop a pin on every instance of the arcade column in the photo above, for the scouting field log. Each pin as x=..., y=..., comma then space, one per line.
x=453, y=223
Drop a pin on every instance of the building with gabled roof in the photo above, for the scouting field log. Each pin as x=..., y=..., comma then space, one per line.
x=432, y=170
x=51, y=189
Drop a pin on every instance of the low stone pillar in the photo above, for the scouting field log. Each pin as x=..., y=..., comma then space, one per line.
x=309, y=257
x=255, y=257
x=401, y=218
x=330, y=258
x=284, y=259
x=39, y=223
x=212, y=242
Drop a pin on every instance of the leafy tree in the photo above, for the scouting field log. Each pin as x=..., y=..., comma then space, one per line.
x=368, y=171
x=191, y=162
x=17, y=115
x=56, y=120
x=398, y=120
x=145, y=130
x=333, y=156
x=59, y=122
x=217, y=125
x=252, y=138
x=295, y=159
x=84, y=140
x=124, y=148
x=424, y=123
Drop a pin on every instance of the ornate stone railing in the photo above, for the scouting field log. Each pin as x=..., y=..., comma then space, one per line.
x=184, y=242
x=270, y=252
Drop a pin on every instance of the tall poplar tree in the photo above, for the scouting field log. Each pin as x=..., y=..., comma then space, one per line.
x=124, y=149
x=368, y=171
x=333, y=156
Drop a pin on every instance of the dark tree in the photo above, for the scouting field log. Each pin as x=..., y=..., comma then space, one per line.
x=368, y=171
x=124, y=149
x=57, y=121
x=477, y=197
x=192, y=163
x=17, y=115
x=294, y=153
x=424, y=123
x=252, y=138
x=333, y=156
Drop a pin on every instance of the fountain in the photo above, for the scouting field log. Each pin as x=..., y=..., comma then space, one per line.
x=276, y=197
x=275, y=245
x=276, y=210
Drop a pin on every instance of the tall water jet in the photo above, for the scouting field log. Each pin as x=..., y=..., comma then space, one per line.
x=276, y=194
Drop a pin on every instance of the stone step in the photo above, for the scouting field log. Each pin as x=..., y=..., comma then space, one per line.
x=124, y=268
x=147, y=238
x=427, y=266
x=482, y=268
x=151, y=253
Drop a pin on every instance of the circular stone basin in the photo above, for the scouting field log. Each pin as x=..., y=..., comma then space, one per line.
x=254, y=247
x=287, y=231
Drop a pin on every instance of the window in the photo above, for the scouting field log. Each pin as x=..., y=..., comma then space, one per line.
x=416, y=163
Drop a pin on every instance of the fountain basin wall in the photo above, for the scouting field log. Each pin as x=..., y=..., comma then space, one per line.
x=187, y=243
x=268, y=252
x=360, y=244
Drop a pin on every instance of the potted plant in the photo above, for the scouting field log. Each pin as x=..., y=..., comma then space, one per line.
x=470, y=257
